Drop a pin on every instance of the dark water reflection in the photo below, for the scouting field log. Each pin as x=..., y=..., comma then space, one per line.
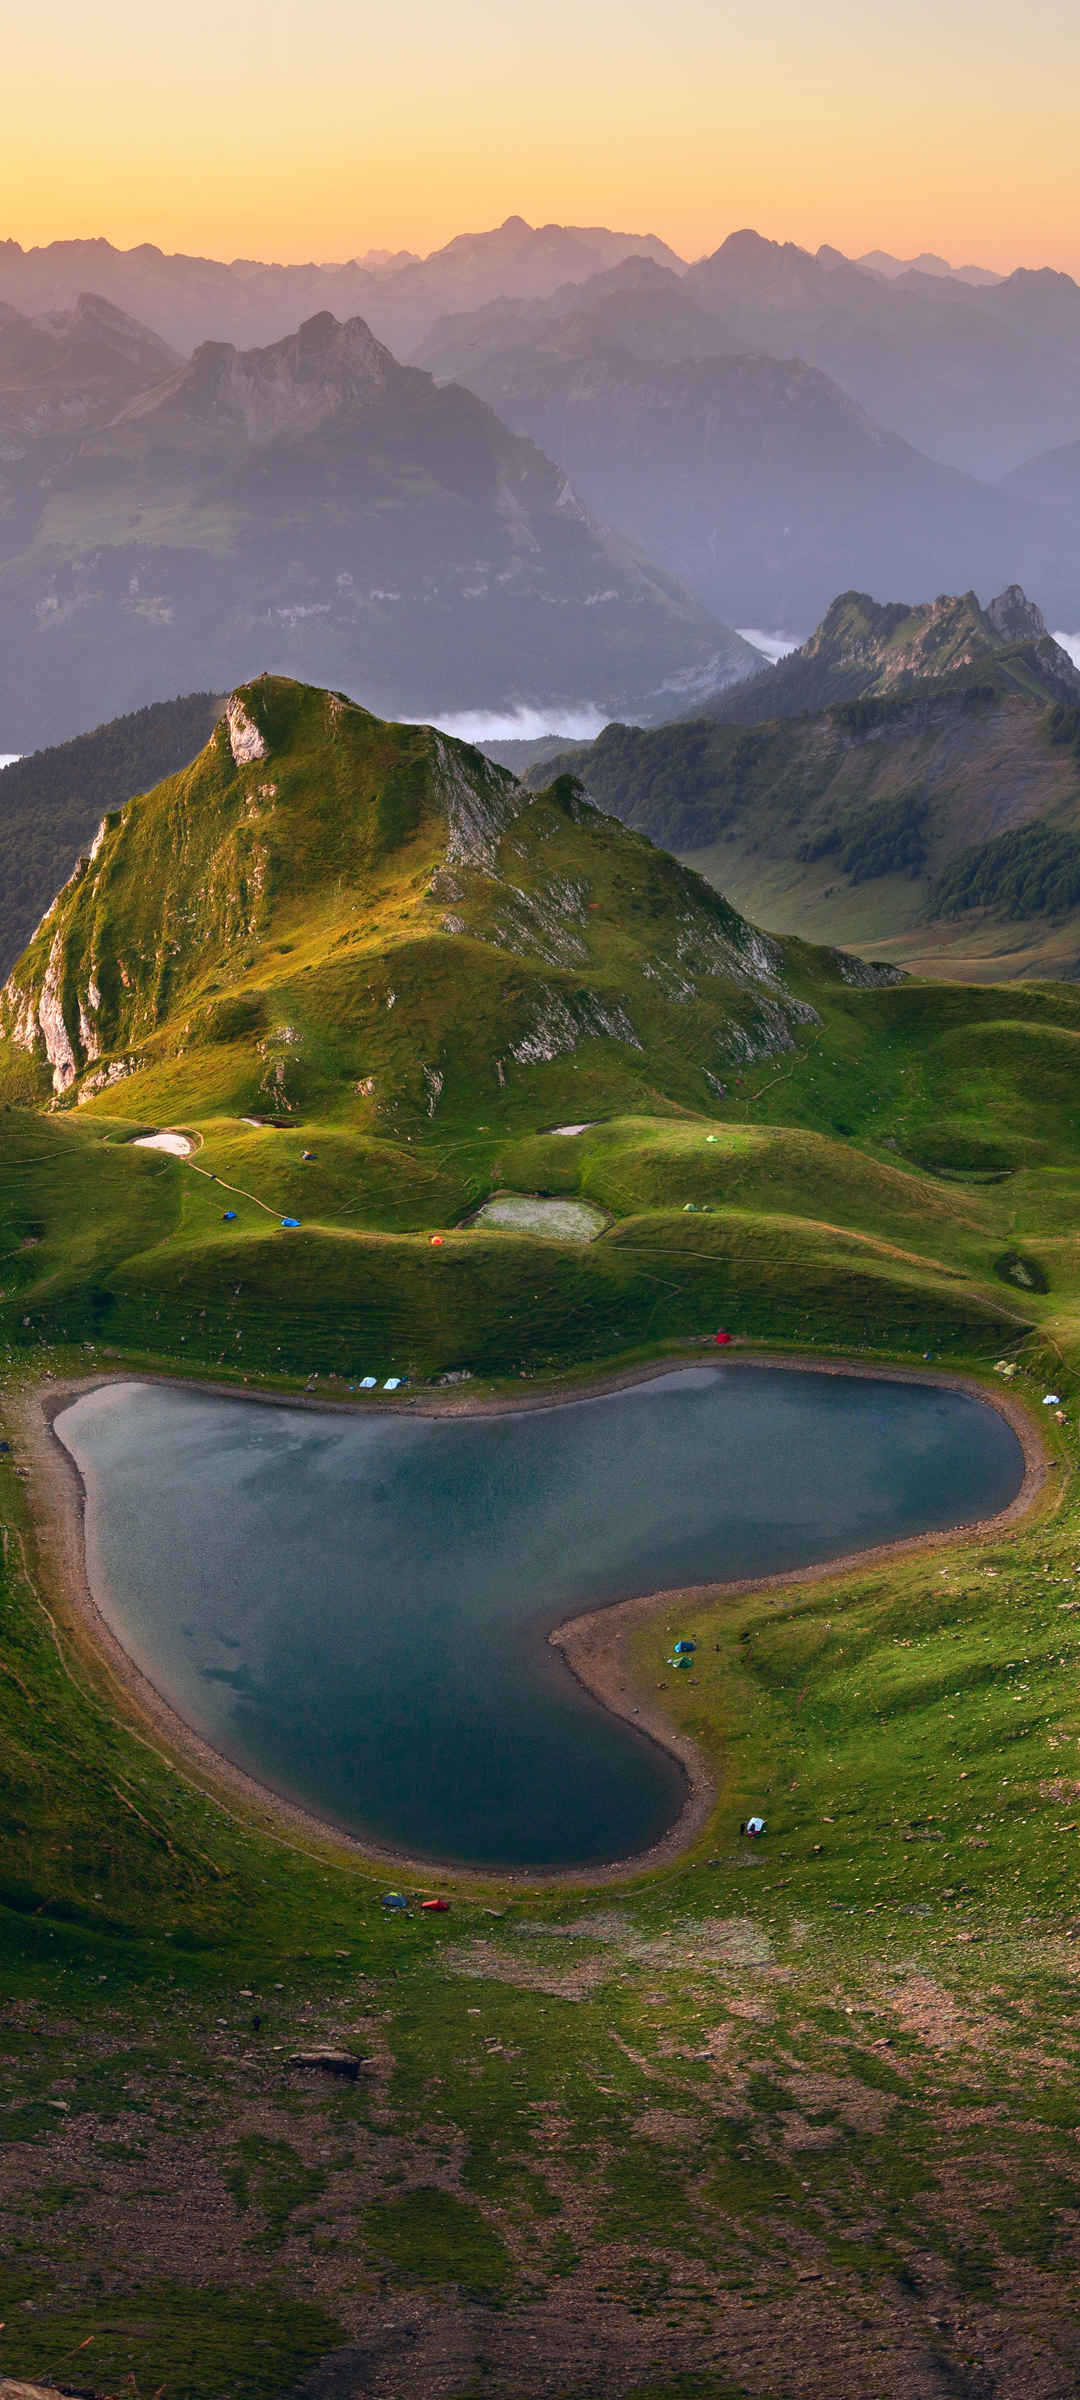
x=353, y=1608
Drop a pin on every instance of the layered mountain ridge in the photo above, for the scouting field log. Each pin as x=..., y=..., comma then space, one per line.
x=907, y=782
x=316, y=505
x=754, y=477
x=249, y=301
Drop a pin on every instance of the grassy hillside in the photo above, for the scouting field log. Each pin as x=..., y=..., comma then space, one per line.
x=329, y=913
x=325, y=961
x=52, y=802
x=774, y=2107
x=939, y=829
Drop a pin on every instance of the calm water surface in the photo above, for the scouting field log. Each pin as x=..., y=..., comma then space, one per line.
x=354, y=1609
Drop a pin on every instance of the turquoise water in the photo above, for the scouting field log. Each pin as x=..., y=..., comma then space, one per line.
x=354, y=1608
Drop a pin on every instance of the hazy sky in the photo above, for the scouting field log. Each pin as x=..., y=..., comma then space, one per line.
x=314, y=128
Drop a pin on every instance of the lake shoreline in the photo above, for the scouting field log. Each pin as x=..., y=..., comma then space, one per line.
x=593, y=1645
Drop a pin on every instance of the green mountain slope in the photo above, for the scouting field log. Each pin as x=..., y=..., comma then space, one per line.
x=913, y=790
x=363, y=970
x=324, y=901
x=52, y=802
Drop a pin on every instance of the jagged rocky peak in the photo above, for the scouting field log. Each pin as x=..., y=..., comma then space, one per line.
x=1016, y=617
x=887, y=644
x=324, y=370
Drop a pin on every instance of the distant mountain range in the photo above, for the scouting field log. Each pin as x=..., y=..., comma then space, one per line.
x=907, y=783
x=72, y=367
x=755, y=479
x=882, y=262
x=729, y=443
x=975, y=369
x=315, y=504
x=193, y=300
x=977, y=377
x=980, y=378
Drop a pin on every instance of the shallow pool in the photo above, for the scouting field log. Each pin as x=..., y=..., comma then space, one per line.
x=354, y=1608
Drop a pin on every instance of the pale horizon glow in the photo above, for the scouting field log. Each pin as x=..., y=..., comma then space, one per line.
x=270, y=130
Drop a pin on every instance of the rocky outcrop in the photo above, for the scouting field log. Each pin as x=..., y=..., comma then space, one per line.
x=101, y=1079
x=561, y=1022
x=322, y=2060
x=291, y=387
x=479, y=805
x=50, y=1017
x=1016, y=617
x=245, y=740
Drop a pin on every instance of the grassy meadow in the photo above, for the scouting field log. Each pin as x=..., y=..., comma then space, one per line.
x=777, y=2121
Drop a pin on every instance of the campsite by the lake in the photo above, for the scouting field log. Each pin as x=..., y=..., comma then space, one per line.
x=372, y=1613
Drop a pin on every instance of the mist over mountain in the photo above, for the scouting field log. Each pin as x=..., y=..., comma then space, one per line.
x=882, y=262
x=315, y=505
x=979, y=378
x=721, y=419
x=247, y=301
x=974, y=369
x=73, y=366
x=756, y=479
x=1052, y=482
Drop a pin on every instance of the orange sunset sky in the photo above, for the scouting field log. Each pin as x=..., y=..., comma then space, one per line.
x=297, y=129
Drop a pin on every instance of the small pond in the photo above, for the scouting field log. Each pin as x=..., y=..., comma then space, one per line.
x=354, y=1607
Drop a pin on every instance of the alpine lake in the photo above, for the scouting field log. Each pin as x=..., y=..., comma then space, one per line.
x=353, y=1607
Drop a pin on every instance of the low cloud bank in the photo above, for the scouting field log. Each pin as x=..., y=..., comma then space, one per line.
x=1071, y=643
x=524, y=724
x=774, y=645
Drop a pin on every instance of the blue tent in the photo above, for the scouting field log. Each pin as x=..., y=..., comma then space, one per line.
x=680, y=1647
x=229, y=1216
x=292, y=1222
